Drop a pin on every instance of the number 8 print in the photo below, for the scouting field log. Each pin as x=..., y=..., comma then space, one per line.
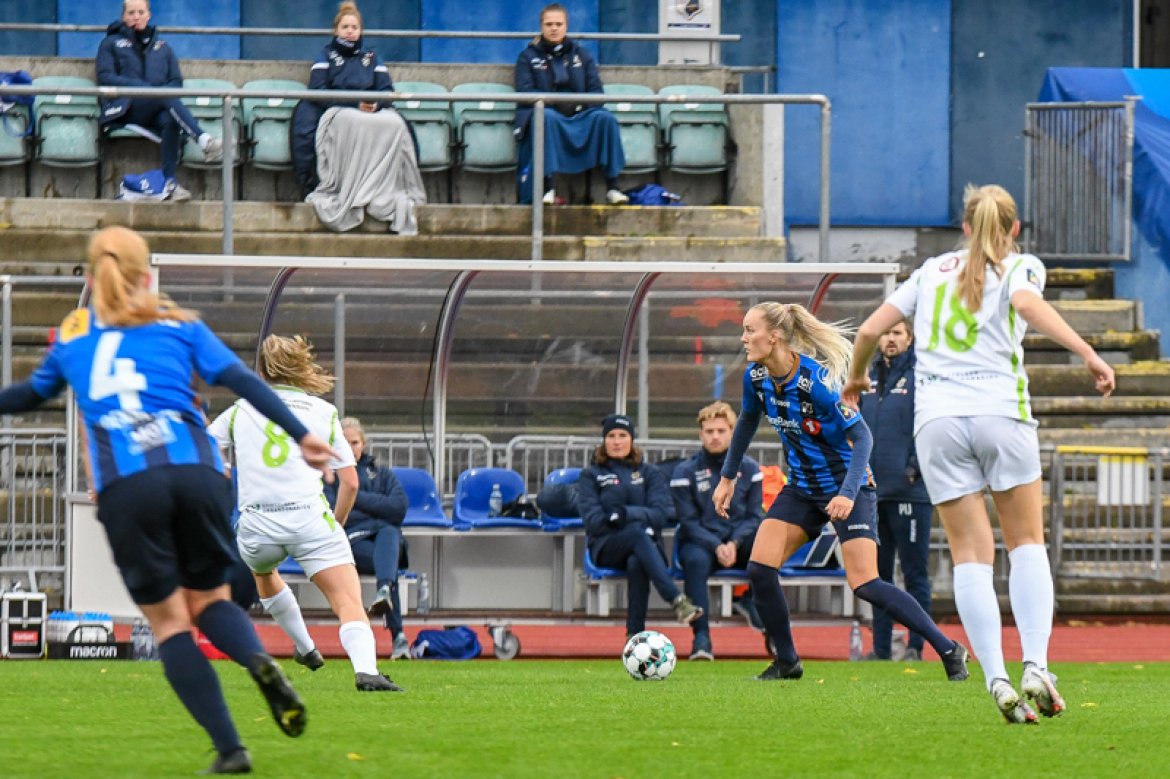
x=275, y=451
x=959, y=315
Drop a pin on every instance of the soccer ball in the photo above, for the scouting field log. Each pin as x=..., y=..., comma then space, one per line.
x=649, y=655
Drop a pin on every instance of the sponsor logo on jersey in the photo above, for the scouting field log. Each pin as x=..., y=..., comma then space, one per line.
x=1033, y=279
x=811, y=426
x=636, y=477
x=804, y=383
x=367, y=58
x=608, y=480
x=949, y=264
x=781, y=423
x=846, y=412
x=758, y=372
x=123, y=43
x=901, y=382
x=75, y=325
x=806, y=408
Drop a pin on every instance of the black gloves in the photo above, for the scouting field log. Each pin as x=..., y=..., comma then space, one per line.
x=616, y=516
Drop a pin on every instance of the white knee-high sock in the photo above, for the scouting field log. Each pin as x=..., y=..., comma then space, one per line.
x=979, y=611
x=1030, y=587
x=360, y=645
x=284, y=609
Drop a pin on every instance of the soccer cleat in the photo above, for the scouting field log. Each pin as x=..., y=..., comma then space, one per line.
x=1040, y=685
x=615, y=197
x=286, y=705
x=375, y=683
x=175, y=192
x=685, y=610
x=780, y=670
x=912, y=655
x=401, y=649
x=312, y=660
x=235, y=762
x=872, y=656
x=550, y=197
x=701, y=648
x=213, y=151
x=1015, y=710
x=955, y=663
x=381, y=605
x=746, y=608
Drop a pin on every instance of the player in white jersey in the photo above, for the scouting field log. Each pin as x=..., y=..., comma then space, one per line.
x=283, y=511
x=973, y=428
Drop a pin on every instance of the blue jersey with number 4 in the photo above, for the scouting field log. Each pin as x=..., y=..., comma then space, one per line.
x=133, y=386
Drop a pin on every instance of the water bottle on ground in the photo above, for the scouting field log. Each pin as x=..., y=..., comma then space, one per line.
x=855, y=642
x=424, y=595
x=495, y=502
x=137, y=641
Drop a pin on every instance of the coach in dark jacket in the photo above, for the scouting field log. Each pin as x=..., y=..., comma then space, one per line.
x=577, y=137
x=133, y=55
x=625, y=502
x=374, y=529
x=707, y=542
x=904, y=509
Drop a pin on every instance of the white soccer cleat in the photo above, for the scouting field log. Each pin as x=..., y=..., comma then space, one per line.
x=616, y=197
x=1039, y=685
x=1014, y=709
x=550, y=197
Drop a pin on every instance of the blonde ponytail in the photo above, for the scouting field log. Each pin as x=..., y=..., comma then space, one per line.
x=291, y=361
x=990, y=214
x=118, y=265
x=827, y=343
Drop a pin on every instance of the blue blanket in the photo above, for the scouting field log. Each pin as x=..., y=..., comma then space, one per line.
x=573, y=144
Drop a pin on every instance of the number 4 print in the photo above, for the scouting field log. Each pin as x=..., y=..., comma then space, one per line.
x=112, y=375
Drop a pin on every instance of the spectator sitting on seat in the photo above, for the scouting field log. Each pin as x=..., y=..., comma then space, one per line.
x=903, y=504
x=133, y=55
x=576, y=137
x=707, y=541
x=352, y=156
x=625, y=502
x=375, y=531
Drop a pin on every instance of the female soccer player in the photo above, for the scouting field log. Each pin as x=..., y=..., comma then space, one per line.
x=161, y=497
x=973, y=427
x=283, y=509
x=827, y=446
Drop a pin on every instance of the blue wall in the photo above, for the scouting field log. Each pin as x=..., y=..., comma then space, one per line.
x=396, y=15
x=1000, y=52
x=521, y=15
x=163, y=14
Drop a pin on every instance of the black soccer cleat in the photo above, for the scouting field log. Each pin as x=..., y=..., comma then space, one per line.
x=312, y=660
x=287, y=708
x=780, y=670
x=375, y=683
x=955, y=663
x=237, y=761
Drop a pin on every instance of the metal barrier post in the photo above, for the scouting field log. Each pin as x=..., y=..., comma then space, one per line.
x=826, y=133
x=228, y=169
x=1157, y=513
x=1056, y=510
x=537, y=176
x=339, y=352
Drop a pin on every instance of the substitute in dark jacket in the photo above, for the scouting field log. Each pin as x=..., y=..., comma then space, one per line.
x=706, y=541
x=577, y=138
x=625, y=503
x=374, y=529
x=133, y=55
x=904, y=508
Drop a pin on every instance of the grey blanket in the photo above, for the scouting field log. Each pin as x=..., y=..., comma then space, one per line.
x=366, y=161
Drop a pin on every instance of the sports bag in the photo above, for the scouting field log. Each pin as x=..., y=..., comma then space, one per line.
x=18, y=78
x=653, y=195
x=457, y=643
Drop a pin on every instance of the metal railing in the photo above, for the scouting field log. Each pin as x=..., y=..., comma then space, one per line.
x=539, y=101
x=6, y=324
x=1078, y=184
x=1106, y=512
x=32, y=498
x=413, y=450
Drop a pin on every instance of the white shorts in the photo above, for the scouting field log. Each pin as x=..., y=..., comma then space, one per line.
x=962, y=455
x=308, y=535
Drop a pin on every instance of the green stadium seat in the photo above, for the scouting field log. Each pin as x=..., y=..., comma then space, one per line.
x=269, y=122
x=67, y=125
x=14, y=145
x=432, y=124
x=639, y=127
x=208, y=111
x=484, y=129
x=695, y=134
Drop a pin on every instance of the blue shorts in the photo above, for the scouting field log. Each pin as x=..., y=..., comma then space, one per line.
x=808, y=513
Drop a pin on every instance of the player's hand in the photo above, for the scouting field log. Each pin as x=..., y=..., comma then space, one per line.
x=369, y=108
x=723, y=495
x=851, y=392
x=839, y=508
x=1102, y=374
x=725, y=554
x=317, y=453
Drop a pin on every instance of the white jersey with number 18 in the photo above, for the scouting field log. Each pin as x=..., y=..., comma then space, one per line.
x=969, y=363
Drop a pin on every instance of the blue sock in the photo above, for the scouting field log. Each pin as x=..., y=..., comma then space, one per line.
x=227, y=626
x=902, y=607
x=773, y=610
x=194, y=681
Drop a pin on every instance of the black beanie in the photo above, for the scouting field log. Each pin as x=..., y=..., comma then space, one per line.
x=615, y=422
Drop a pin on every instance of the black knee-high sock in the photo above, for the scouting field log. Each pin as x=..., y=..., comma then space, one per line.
x=611, y=183
x=227, y=626
x=773, y=610
x=902, y=607
x=194, y=681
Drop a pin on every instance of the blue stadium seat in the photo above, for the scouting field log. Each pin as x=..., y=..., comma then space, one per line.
x=483, y=128
x=473, y=491
x=695, y=134
x=208, y=111
x=67, y=125
x=551, y=523
x=424, y=507
x=638, y=123
x=268, y=121
x=599, y=583
x=432, y=122
x=595, y=571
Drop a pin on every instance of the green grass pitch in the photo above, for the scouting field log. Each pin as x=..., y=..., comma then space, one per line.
x=589, y=719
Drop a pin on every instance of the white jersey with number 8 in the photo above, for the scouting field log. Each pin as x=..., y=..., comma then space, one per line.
x=969, y=363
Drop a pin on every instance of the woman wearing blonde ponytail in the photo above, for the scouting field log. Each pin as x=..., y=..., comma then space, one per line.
x=161, y=495
x=974, y=428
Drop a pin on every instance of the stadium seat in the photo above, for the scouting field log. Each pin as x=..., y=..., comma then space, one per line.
x=695, y=134
x=422, y=497
x=554, y=523
x=294, y=575
x=473, y=491
x=67, y=125
x=483, y=129
x=639, y=127
x=599, y=581
x=268, y=121
x=432, y=124
x=209, y=113
x=14, y=145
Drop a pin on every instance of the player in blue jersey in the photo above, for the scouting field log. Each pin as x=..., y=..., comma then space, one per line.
x=162, y=498
x=827, y=446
